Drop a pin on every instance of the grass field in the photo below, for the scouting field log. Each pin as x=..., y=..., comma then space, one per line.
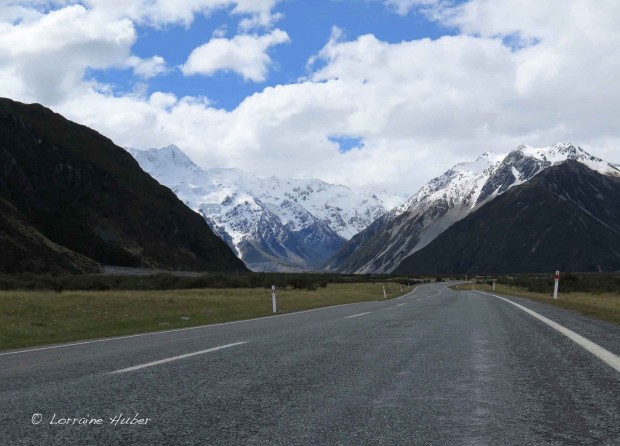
x=30, y=318
x=600, y=305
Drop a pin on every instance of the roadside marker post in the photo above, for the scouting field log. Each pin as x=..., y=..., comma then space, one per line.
x=555, y=288
x=273, y=298
x=493, y=284
x=384, y=293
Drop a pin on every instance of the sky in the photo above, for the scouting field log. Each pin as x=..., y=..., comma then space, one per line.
x=373, y=94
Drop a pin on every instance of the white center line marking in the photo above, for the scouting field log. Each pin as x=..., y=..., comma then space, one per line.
x=356, y=315
x=175, y=358
x=432, y=295
x=598, y=351
x=411, y=293
x=400, y=305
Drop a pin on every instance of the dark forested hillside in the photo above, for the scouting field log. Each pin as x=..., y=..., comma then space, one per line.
x=73, y=193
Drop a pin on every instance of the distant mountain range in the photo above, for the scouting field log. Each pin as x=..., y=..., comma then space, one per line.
x=273, y=224
x=565, y=218
x=447, y=199
x=71, y=200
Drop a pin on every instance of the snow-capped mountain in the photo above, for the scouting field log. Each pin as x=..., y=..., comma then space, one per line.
x=271, y=223
x=567, y=217
x=447, y=199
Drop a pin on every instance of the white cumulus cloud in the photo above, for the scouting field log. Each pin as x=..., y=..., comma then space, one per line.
x=244, y=54
x=48, y=47
x=518, y=71
x=45, y=59
x=147, y=68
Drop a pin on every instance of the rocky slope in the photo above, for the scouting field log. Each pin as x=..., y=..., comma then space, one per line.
x=566, y=218
x=446, y=200
x=24, y=248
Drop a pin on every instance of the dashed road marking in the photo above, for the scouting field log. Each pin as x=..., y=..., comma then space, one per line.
x=356, y=315
x=176, y=358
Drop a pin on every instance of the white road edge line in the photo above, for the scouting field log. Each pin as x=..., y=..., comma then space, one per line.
x=598, y=351
x=174, y=330
x=197, y=327
x=175, y=358
x=356, y=315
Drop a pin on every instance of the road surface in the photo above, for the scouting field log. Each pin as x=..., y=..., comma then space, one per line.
x=436, y=367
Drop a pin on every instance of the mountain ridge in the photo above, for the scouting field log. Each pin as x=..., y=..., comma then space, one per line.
x=565, y=218
x=448, y=198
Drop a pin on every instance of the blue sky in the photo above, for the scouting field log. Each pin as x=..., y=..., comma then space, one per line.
x=374, y=94
x=309, y=25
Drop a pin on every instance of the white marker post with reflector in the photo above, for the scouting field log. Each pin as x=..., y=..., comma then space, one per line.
x=384, y=293
x=555, y=288
x=273, y=298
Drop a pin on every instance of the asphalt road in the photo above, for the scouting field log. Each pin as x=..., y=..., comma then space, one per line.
x=438, y=367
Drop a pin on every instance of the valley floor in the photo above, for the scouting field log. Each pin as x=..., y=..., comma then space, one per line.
x=30, y=318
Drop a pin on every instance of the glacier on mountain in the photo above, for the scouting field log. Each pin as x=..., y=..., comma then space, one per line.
x=273, y=224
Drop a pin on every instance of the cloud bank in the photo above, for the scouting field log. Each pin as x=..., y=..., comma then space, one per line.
x=515, y=72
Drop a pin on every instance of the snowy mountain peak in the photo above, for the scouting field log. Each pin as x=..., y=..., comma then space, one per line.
x=561, y=152
x=494, y=173
x=170, y=155
x=483, y=162
x=555, y=153
x=166, y=163
x=270, y=222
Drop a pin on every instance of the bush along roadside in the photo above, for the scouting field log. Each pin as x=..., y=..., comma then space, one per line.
x=170, y=281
